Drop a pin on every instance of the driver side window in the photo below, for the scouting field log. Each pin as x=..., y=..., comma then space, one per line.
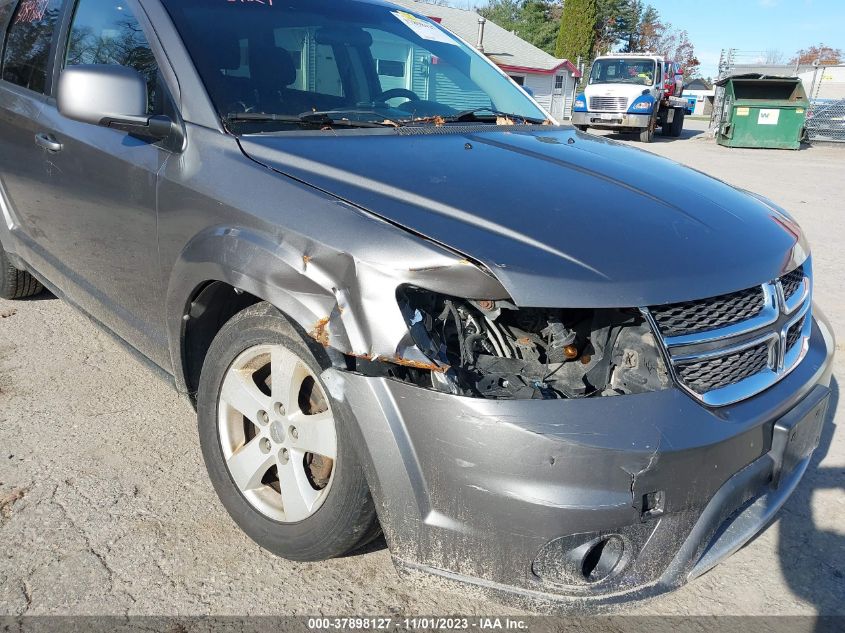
x=106, y=32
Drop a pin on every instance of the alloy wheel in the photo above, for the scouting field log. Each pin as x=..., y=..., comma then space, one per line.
x=277, y=433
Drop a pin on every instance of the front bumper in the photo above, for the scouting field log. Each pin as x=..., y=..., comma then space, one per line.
x=611, y=120
x=501, y=493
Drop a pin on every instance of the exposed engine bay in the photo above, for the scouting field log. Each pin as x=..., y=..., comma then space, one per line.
x=493, y=349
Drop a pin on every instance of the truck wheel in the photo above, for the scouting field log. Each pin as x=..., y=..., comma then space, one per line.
x=582, y=128
x=278, y=451
x=15, y=283
x=647, y=134
x=677, y=123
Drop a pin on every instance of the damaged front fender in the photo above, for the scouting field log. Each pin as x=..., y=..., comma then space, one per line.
x=343, y=301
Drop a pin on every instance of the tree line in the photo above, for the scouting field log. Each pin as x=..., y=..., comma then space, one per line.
x=586, y=28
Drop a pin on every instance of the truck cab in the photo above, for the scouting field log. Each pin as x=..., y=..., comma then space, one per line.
x=632, y=93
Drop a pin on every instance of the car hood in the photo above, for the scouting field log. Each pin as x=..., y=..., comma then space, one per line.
x=561, y=218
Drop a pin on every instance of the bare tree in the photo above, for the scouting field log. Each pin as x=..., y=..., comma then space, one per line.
x=774, y=56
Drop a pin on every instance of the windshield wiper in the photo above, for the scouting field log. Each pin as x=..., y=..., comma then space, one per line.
x=306, y=119
x=472, y=115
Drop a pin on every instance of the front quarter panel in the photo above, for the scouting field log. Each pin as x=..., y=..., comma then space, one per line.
x=326, y=264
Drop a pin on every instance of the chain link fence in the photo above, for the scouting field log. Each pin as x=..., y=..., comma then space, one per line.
x=826, y=116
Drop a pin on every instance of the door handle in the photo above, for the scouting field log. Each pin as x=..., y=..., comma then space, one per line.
x=48, y=142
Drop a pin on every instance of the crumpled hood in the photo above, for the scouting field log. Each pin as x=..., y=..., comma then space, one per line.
x=559, y=217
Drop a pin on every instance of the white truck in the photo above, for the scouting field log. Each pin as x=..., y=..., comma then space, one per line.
x=632, y=93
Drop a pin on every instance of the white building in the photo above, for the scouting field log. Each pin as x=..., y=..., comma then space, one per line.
x=700, y=97
x=551, y=81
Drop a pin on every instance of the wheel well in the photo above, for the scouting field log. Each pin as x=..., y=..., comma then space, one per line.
x=213, y=305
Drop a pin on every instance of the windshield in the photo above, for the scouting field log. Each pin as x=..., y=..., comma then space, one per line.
x=338, y=60
x=623, y=71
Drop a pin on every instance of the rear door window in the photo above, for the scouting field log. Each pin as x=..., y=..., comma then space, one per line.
x=26, y=55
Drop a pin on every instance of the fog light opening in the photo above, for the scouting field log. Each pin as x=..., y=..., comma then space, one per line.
x=602, y=558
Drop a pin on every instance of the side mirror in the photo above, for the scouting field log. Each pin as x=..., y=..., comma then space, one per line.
x=109, y=96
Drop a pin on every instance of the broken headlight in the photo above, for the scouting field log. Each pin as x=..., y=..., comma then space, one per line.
x=492, y=349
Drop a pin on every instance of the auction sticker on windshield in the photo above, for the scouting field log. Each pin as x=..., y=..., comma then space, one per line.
x=423, y=28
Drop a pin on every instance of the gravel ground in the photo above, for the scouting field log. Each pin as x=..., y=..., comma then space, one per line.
x=105, y=507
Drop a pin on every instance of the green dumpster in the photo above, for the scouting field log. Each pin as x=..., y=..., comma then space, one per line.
x=762, y=111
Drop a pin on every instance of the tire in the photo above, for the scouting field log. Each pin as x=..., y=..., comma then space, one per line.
x=647, y=134
x=677, y=127
x=343, y=516
x=15, y=283
x=582, y=128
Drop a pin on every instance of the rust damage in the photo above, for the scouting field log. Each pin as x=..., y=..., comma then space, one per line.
x=416, y=364
x=320, y=332
x=399, y=360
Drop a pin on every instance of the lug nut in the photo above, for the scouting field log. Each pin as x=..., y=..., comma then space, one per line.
x=265, y=445
x=280, y=408
x=292, y=431
x=284, y=456
x=263, y=418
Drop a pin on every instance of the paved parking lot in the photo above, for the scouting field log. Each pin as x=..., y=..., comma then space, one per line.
x=105, y=507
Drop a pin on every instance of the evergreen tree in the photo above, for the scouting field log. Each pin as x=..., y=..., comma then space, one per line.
x=535, y=21
x=540, y=24
x=609, y=24
x=505, y=13
x=577, y=34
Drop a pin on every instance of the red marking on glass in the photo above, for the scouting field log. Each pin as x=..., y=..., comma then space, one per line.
x=32, y=11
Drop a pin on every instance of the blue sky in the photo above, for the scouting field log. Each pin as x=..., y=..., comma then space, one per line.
x=755, y=25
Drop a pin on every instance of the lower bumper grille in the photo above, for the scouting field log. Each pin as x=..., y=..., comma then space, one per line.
x=728, y=348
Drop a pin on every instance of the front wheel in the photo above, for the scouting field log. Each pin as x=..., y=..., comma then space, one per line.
x=279, y=453
x=16, y=283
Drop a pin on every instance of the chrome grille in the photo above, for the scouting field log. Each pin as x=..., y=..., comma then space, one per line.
x=608, y=104
x=794, y=334
x=792, y=282
x=730, y=347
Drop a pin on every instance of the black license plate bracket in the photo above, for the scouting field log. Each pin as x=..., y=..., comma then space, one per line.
x=797, y=433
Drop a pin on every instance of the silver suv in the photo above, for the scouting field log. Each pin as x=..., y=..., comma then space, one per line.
x=405, y=300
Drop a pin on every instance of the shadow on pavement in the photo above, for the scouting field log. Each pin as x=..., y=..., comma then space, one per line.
x=44, y=295
x=658, y=138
